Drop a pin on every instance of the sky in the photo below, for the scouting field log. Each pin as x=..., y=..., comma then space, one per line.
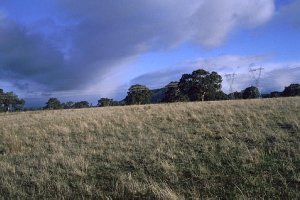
x=83, y=50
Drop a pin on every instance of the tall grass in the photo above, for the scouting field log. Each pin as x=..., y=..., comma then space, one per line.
x=227, y=149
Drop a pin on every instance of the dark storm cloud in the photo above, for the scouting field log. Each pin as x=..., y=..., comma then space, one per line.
x=290, y=14
x=100, y=35
x=29, y=60
x=27, y=56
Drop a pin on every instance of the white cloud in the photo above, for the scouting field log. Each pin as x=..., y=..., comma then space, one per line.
x=208, y=22
x=275, y=76
x=214, y=20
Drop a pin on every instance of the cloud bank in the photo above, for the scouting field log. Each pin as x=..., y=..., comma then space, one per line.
x=97, y=36
x=274, y=77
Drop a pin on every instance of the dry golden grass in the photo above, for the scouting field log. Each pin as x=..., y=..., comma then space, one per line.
x=226, y=149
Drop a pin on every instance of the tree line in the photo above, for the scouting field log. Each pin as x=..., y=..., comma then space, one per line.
x=200, y=85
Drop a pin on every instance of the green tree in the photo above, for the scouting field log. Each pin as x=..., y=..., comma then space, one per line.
x=251, y=93
x=82, y=104
x=200, y=84
x=68, y=105
x=236, y=95
x=138, y=94
x=275, y=94
x=157, y=95
x=10, y=101
x=217, y=96
x=53, y=104
x=173, y=93
x=19, y=104
x=103, y=102
x=291, y=90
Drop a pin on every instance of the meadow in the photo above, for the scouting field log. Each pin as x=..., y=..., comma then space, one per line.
x=198, y=150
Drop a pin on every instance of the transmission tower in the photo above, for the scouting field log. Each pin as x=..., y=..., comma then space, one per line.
x=256, y=75
x=230, y=79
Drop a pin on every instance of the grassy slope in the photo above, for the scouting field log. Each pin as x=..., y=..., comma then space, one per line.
x=233, y=149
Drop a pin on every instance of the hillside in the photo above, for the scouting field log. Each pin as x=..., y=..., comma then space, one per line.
x=224, y=149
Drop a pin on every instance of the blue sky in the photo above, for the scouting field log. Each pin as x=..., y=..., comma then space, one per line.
x=84, y=50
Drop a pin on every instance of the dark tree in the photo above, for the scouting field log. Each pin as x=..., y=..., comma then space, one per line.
x=53, y=104
x=19, y=104
x=275, y=94
x=116, y=103
x=200, y=84
x=236, y=95
x=217, y=96
x=138, y=94
x=265, y=95
x=2, y=95
x=10, y=102
x=68, y=105
x=291, y=90
x=173, y=93
x=251, y=93
x=157, y=95
x=82, y=104
x=103, y=102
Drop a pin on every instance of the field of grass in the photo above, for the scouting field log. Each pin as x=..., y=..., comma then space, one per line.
x=226, y=149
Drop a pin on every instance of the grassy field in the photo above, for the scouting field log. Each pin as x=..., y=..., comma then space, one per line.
x=226, y=149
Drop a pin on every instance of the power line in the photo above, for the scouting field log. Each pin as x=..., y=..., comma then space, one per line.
x=256, y=75
x=230, y=79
